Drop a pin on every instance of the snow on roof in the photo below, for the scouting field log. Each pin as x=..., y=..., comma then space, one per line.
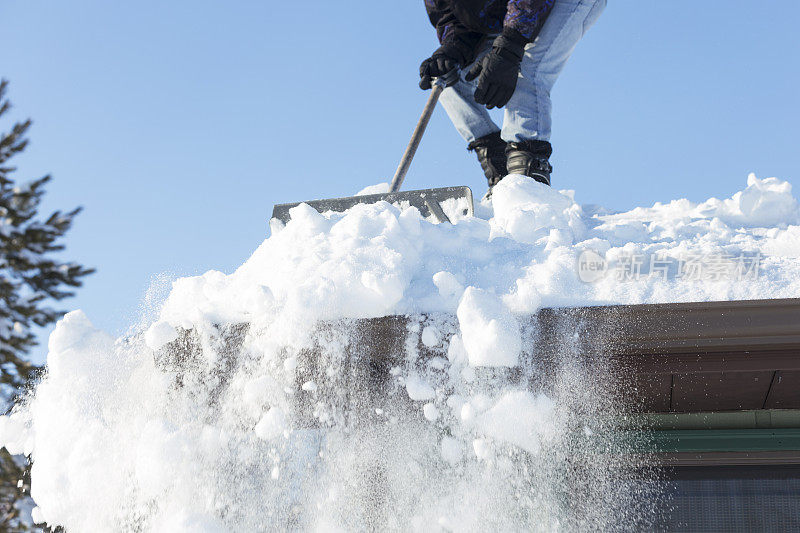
x=121, y=443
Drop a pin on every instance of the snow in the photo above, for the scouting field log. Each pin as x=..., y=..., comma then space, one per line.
x=378, y=188
x=448, y=286
x=271, y=425
x=159, y=334
x=451, y=450
x=490, y=332
x=519, y=418
x=12, y=434
x=378, y=260
x=430, y=336
x=183, y=438
x=431, y=412
x=418, y=389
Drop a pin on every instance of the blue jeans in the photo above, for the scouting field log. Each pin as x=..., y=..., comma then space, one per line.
x=527, y=114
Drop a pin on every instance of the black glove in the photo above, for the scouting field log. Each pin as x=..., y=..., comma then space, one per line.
x=457, y=52
x=497, y=72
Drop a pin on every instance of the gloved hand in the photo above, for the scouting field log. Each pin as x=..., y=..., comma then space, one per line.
x=457, y=52
x=497, y=72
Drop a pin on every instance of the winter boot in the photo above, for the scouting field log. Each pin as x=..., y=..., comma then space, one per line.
x=491, y=152
x=530, y=158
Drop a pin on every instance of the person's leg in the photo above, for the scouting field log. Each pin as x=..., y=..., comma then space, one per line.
x=473, y=122
x=527, y=114
x=471, y=119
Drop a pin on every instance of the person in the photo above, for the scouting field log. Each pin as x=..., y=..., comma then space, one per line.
x=509, y=54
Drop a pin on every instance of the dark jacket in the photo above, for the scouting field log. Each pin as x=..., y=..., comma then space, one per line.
x=519, y=18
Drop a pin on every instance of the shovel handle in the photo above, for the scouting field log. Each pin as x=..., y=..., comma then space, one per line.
x=419, y=131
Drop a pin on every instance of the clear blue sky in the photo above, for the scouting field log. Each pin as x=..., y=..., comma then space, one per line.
x=178, y=124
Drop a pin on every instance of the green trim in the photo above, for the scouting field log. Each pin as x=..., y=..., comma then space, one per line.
x=714, y=440
x=764, y=430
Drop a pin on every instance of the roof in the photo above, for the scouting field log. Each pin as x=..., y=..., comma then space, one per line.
x=670, y=358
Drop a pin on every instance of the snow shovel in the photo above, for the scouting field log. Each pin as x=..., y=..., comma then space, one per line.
x=428, y=201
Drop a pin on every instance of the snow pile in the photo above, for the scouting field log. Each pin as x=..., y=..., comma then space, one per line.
x=490, y=333
x=256, y=401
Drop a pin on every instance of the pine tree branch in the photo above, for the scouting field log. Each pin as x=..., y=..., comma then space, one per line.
x=29, y=278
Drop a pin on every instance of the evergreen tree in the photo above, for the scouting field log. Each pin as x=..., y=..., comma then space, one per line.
x=30, y=277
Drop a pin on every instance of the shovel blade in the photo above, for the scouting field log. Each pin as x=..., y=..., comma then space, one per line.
x=430, y=202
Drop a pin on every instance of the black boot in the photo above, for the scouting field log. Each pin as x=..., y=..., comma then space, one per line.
x=530, y=158
x=491, y=152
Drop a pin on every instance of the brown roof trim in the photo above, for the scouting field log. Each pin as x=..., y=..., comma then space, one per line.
x=709, y=356
x=680, y=357
x=699, y=327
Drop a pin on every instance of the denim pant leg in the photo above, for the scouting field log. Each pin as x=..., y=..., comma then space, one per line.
x=470, y=118
x=527, y=114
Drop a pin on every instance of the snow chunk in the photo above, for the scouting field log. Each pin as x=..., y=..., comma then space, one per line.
x=431, y=412
x=378, y=188
x=13, y=434
x=764, y=203
x=529, y=211
x=430, y=336
x=448, y=286
x=271, y=425
x=290, y=364
x=784, y=243
x=521, y=419
x=73, y=348
x=491, y=334
x=159, y=334
x=418, y=389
